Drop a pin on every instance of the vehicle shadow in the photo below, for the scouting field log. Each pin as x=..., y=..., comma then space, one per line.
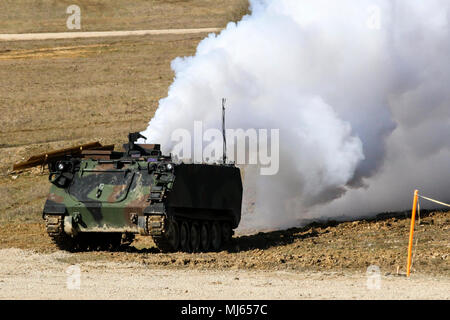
x=266, y=240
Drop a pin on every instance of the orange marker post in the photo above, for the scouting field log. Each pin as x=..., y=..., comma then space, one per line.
x=411, y=232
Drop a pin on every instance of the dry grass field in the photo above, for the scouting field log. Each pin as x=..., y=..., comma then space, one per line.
x=56, y=94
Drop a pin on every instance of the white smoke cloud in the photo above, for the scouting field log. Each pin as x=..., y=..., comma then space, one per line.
x=358, y=89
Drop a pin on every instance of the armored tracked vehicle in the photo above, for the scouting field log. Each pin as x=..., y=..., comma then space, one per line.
x=100, y=199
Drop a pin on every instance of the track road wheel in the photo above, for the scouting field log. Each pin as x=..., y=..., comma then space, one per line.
x=173, y=235
x=126, y=239
x=205, y=237
x=96, y=242
x=184, y=236
x=114, y=241
x=226, y=233
x=103, y=241
x=195, y=237
x=216, y=236
x=82, y=240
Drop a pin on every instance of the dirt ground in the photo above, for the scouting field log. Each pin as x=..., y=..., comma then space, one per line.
x=57, y=93
x=28, y=275
x=331, y=247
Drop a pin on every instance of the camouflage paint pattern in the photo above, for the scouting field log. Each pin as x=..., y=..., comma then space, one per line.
x=110, y=196
x=101, y=198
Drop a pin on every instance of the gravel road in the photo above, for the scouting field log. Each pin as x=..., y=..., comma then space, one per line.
x=25, y=274
x=99, y=34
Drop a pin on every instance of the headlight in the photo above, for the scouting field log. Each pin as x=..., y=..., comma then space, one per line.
x=169, y=166
x=60, y=166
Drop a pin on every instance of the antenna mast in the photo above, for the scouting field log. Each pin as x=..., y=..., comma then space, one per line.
x=223, y=132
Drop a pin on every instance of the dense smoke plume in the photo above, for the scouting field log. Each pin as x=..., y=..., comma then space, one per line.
x=359, y=91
